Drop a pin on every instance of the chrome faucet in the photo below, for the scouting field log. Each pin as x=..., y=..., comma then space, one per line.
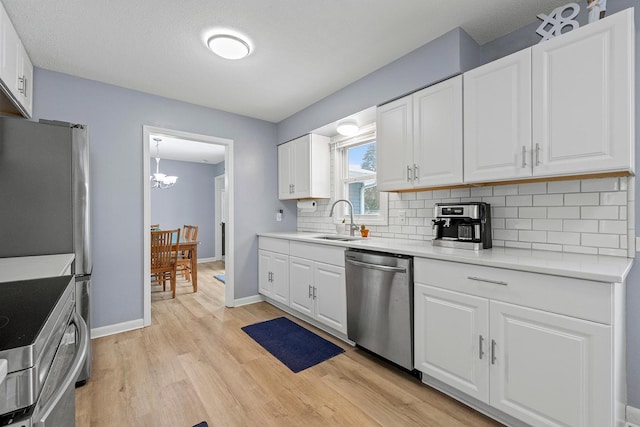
x=352, y=227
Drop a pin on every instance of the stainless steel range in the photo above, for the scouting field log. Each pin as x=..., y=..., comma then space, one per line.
x=43, y=344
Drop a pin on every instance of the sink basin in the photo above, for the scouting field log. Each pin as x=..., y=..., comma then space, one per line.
x=336, y=237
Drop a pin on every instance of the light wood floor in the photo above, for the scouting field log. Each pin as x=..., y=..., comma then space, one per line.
x=194, y=364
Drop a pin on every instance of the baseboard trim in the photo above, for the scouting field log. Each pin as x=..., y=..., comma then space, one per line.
x=247, y=300
x=633, y=415
x=104, y=331
x=210, y=259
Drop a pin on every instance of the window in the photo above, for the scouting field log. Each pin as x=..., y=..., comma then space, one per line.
x=355, y=166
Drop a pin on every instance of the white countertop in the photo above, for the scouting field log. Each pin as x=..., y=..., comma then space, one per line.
x=589, y=267
x=34, y=267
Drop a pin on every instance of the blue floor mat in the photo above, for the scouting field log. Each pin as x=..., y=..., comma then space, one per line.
x=220, y=277
x=296, y=347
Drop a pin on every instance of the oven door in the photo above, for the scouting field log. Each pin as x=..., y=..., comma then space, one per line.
x=56, y=405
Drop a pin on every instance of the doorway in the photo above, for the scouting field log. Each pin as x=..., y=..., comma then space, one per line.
x=227, y=188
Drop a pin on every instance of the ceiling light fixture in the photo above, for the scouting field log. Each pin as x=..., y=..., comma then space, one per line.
x=160, y=180
x=228, y=46
x=348, y=127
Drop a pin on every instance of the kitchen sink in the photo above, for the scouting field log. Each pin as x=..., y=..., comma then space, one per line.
x=337, y=237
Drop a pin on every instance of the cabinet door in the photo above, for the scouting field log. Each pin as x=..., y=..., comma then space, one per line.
x=394, y=144
x=301, y=285
x=265, y=286
x=280, y=278
x=284, y=172
x=452, y=339
x=25, y=81
x=9, y=44
x=301, y=166
x=550, y=369
x=497, y=119
x=437, y=134
x=331, y=296
x=583, y=99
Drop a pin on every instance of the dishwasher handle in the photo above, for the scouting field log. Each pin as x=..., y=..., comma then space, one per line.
x=377, y=267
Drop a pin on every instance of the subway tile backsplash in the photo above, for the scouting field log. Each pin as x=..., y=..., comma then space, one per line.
x=592, y=216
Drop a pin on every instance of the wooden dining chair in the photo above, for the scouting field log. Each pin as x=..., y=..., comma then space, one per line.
x=155, y=227
x=163, y=258
x=190, y=232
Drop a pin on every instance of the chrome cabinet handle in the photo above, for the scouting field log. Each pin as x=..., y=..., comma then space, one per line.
x=524, y=156
x=22, y=85
x=493, y=352
x=480, y=346
x=314, y=292
x=415, y=172
x=293, y=188
x=408, y=173
x=495, y=282
x=310, y=292
x=537, y=154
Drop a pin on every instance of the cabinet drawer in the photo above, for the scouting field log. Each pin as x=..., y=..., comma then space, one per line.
x=317, y=252
x=274, y=245
x=583, y=299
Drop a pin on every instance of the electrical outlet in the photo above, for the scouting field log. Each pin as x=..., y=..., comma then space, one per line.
x=402, y=217
x=278, y=216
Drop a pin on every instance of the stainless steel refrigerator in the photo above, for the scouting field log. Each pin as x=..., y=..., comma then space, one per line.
x=45, y=199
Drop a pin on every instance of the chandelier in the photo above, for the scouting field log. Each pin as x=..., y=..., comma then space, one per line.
x=160, y=180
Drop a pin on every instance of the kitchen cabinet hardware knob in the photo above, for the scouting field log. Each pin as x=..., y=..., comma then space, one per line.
x=495, y=282
x=524, y=156
x=480, y=346
x=310, y=292
x=493, y=352
x=408, y=173
x=415, y=172
x=537, y=154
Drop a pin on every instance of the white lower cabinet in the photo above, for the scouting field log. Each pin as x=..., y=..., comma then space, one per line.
x=273, y=275
x=543, y=368
x=548, y=369
x=450, y=330
x=318, y=290
x=312, y=283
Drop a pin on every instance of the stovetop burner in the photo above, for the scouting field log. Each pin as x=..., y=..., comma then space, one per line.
x=25, y=306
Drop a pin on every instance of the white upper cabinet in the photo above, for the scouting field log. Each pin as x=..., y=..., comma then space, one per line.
x=583, y=99
x=562, y=107
x=497, y=119
x=419, y=138
x=394, y=127
x=16, y=70
x=303, y=168
x=437, y=134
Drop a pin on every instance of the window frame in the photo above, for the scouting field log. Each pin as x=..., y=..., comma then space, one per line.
x=340, y=179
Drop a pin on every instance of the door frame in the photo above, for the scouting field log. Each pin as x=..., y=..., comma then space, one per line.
x=219, y=215
x=147, y=131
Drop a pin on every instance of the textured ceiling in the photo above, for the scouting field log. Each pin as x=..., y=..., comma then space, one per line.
x=304, y=50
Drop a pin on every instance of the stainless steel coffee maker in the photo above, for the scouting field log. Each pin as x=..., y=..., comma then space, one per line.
x=462, y=225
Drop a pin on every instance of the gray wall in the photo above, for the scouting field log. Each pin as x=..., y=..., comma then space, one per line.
x=190, y=201
x=433, y=62
x=437, y=60
x=115, y=117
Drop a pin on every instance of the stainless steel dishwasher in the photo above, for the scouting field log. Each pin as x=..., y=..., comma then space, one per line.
x=380, y=304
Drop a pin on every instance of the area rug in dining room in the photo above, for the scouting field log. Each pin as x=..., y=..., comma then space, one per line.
x=296, y=347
